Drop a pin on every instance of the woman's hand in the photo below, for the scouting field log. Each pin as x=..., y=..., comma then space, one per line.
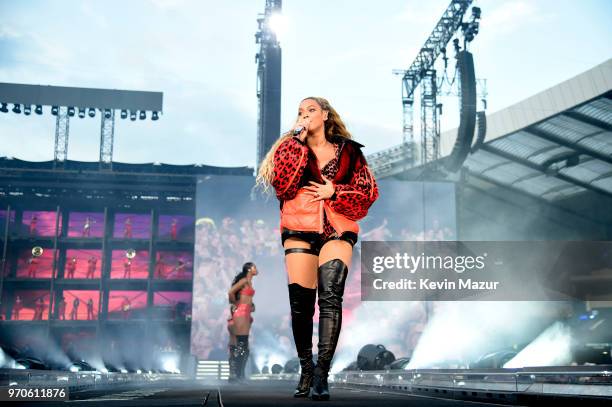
x=321, y=191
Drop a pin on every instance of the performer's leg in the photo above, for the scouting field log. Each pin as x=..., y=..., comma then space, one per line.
x=302, y=301
x=242, y=350
x=301, y=263
x=232, y=351
x=334, y=260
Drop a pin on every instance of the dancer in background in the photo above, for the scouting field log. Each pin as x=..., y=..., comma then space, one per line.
x=324, y=186
x=62, y=309
x=174, y=229
x=33, y=224
x=87, y=227
x=160, y=267
x=127, y=268
x=127, y=228
x=39, y=308
x=74, y=314
x=17, y=307
x=32, y=266
x=241, y=294
x=126, y=306
x=90, y=309
x=71, y=267
x=91, y=266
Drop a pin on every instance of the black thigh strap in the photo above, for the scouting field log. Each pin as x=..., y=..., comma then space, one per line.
x=301, y=250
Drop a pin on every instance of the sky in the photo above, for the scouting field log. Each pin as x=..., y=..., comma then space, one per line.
x=201, y=55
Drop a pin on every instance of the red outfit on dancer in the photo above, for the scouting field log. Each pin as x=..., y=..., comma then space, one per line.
x=127, y=232
x=32, y=267
x=244, y=310
x=71, y=267
x=173, y=229
x=33, y=223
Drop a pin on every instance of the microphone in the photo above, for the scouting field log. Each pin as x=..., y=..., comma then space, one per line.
x=298, y=130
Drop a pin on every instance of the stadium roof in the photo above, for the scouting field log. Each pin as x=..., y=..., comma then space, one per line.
x=554, y=145
x=11, y=164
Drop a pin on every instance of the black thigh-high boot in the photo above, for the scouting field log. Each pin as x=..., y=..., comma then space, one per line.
x=302, y=302
x=232, y=363
x=331, y=279
x=242, y=350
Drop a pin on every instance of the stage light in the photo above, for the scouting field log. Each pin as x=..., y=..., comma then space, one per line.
x=4, y=108
x=132, y=115
x=54, y=110
x=27, y=110
x=124, y=114
x=107, y=113
x=81, y=113
x=143, y=115
x=92, y=112
x=71, y=111
x=16, y=108
x=154, y=116
x=38, y=110
x=278, y=24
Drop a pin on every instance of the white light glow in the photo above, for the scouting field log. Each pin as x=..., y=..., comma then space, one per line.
x=551, y=348
x=278, y=24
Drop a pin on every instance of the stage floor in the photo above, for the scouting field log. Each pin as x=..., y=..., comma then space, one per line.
x=254, y=393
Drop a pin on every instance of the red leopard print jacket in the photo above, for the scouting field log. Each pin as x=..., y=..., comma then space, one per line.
x=295, y=164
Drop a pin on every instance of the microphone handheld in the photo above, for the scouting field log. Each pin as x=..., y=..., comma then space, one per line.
x=298, y=130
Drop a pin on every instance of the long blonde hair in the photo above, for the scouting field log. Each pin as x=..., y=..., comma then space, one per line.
x=333, y=126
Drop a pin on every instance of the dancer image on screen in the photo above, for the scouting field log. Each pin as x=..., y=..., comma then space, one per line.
x=32, y=267
x=324, y=186
x=33, y=224
x=87, y=227
x=127, y=228
x=241, y=294
x=174, y=229
x=71, y=267
x=127, y=268
x=17, y=307
x=74, y=314
x=126, y=305
x=160, y=267
x=39, y=308
x=91, y=266
x=90, y=309
x=62, y=309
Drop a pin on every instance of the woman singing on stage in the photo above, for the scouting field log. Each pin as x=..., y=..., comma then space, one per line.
x=324, y=186
x=241, y=294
